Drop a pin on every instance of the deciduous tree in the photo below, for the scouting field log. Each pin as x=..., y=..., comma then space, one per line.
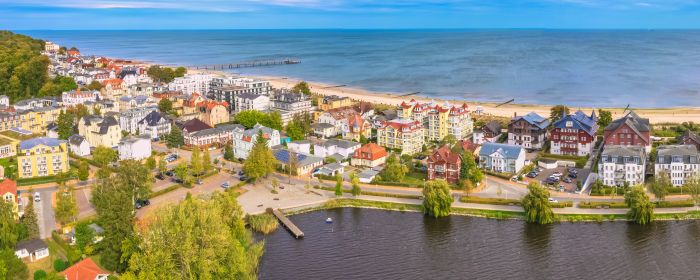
x=65, y=124
x=661, y=185
x=302, y=87
x=437, y=199
x=83, y=170
x=604, y=118
x=536, y=205
x=113, y=201
x=66, y=210
x=260, y=161
x=84, y=237
x=355, y=181
x=393, y=171
x=103, y=155
x=30, y=221
x=8, y=226
x=338, y=185
x=641, y=209
x=556, y=112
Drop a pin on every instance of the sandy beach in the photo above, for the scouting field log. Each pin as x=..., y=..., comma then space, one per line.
x=655, y=115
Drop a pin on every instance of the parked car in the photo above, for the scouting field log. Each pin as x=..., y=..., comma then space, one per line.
x=170, y=173
x=567, y=180
x=241, y=173
x=225, y=185
x=532, y=174
x=243, y=178
x=199, y=182
x=573, y=175
x=552, y=200
x=37, y=197
x=141, y=203
x=557, y=174
x=160, y=176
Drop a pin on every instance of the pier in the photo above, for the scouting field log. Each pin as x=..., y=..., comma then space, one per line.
x=248, y=64
x=293, y=229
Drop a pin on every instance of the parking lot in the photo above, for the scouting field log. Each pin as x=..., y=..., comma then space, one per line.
x=567, y=186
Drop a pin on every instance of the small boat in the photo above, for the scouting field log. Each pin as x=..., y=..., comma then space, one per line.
x=329, y=220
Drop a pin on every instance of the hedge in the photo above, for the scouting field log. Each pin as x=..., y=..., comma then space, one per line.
x=488, y=200
x=602, y=204
x=562, y=204
x=41, y=180
x=506, y=176
x=674, y=203
x=164, y=191
x=407, y=196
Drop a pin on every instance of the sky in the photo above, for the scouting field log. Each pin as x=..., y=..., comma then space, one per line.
x=349, y=14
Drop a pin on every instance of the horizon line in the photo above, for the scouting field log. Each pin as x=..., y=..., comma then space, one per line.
x=376, y=29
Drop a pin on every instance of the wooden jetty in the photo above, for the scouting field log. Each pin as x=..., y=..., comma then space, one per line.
x=248, y=64
x=409, y=94
x=293, y=229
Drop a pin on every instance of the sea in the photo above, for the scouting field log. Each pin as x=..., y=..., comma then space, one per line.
x=579, y=68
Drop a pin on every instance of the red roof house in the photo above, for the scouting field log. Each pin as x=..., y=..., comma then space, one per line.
x=444, y=164
x=85, y=270
x=370, y=155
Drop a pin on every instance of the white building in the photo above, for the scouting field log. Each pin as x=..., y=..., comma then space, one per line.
x=192, y=83
x=129, y=119
x=244, y=140
x=34, y=249
x=336, y=146
x=622, y=164
x=680, y=162
x=300, y=146
x=501, y=157
x=227, y=88
x=137, y=148
x=75, y=97
x=4, y=100
x=79, y=145
x=51, y=47
x=154, y=125
x=290, y=104
x=251, y=101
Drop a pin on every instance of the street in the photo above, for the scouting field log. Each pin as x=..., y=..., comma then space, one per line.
x=44, y=212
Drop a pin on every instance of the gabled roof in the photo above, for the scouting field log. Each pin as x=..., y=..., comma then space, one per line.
x=373, y=150
x=194, y=125
x=687, y=153
x=283, y=156
x=31, y=245
x=492, y=126
x=152, y=119
x=533, y=119
x=76, y=139
x=508, y=151
x=83, y=270
x=632, y=120
x=444, y=155
x=691, y=135
x=580, y=121
x=339, y=143
x=623, y=151
x=8, y=186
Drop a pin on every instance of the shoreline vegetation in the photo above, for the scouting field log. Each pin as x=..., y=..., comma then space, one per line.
x=483, y=213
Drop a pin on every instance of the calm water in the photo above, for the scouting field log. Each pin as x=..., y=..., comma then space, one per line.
x=375, y=244
x=579, y=68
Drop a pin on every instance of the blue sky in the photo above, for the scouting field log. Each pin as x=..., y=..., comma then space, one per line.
x=274, y=14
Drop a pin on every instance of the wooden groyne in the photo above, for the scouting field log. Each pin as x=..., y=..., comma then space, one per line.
x=293, y=229
x=248, y=64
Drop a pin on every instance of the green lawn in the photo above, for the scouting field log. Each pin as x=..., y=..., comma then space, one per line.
x=414, y=178
x=10, y=167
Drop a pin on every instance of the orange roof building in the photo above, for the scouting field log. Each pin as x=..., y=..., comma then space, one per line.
x=8, y=193
x=370, y=155
x=85, y=270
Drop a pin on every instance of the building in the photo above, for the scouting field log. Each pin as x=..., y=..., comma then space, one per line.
x=574, y=134
x=40, y=157
x=289, y=104
x=528, y=131
x=112, y=88
x=193, y=125
x=213, y=112
x=679, y=162
x=227, y=88
x=690, y=138
x=37, y=119
x=630, y=130
x=503, y=158
x=78, y=145
x=330, y=102
x=75, y=97
x=186, y=106
x=336, y=146
x=85, y=270
x=437, y=120
x=33, y=249
x=8, y=193
x=370, y=155
x=324, y=130
x=155, y=125
x=130, y=118
x=51, y=47
x=134, y=147
x=244, y=140
x=305, y=163
x=9, y=120
x=620, y=164
x=401, y=134
x=251, y=101
x=444, y=164
x=100, y=131
x=346, y=121
x=300, y=146
x=8, y=146
x=489, y=132
x=216, y=136
x=191, y=83
x=331, y=169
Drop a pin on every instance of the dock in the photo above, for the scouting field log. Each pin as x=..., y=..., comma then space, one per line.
x=247, y=64
x=291, y=227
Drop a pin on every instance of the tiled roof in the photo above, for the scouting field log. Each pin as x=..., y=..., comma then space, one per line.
x=444, y=155
x=8, y=186
x=84, y=270
x=534, y=119
x=31, y=143
x=633, y=121
x=508, y=151
x=579, y=121
x=373, y=150
x=195, y=125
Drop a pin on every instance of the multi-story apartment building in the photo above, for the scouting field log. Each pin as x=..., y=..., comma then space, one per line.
x=528, y=131
x=227, y=88
x=192, y=83
x=630, y=130
x=134, y=147
x=289, y=104
x=215, y=136
x=40, y=157
x=100, y=131
x=679, y=162
x=154, y=125
x=574, y=134
x=75, y=97
x=620, y=164
x=245, y=139
x=326, y=103
x=346, y=121
x=403, y=134
x=37, y=119
x=503, y=158
x=444, y=164
x=9, y=120
x=251, y=101
x=212, y=112
x=489, y=132
x=437, y=120
x=129, y=119
x=8, y=147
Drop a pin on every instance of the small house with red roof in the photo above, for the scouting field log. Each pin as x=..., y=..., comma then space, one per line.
x=370, y=155
x=444, y=164
x=8, y=192
x=86, y=269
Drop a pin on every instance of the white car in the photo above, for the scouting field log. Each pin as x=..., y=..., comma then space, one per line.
x=552, y=200
x=37, y=197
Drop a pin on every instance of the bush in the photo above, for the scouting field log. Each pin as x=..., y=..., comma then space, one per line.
x=562, y=204
x=602, y=204
x=487, y=200
x=263, y=223
x=60, y=265
x=39, y=274
x=674, y=203
x=505, y=176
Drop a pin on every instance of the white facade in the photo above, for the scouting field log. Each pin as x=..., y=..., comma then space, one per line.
x=78, y=145
x=249, y=101
x=137, y=148
x=301, y=147
x=72, y=98
x=334, y=146
x=129, y=119
x=192, y=83
x=622, y=164
x=244, y=140
x=679, y=162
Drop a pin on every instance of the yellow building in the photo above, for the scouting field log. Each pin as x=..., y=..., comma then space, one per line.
x=326, y=103
x=100, y=131
x=36, y=119
x=438, y=120
x=213, y=112
x=42, y=156
x=8, y=146
x=403, y=134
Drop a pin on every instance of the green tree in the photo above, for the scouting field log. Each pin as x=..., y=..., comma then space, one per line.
x=536, y=205
x=96, y=111
x=228, y=152
x=175, y=138
x=15, y=269
x=84, y=237
x=302, y=87
x=641, y=208
x=604, y=118
x=103, y=155
x=449, y=140
x=693, y=187
x=30, y=221
x=113, y=201
x=186, y=241
x=469, y=170
x=65, y=124
x=338, y=185
x=467, y=186
x=151, y=162
x=393, y=171
x=196, y=161
x=83, y=170
x=249, y=118
x=260, y=161
x=437, y=199
x=182, y=171
x=164, y=74
x=660, y=185
x=275, y=120
x=206, y=161
x=162, y=165
x=66, y=210
x=295, y=131
x=94, y=85
x=355, y=181
x=136, y=177
x=165, y=105
x=556, y=112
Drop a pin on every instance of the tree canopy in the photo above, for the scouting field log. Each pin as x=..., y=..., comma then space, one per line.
x=113, y=201
x=437, y=200
x=469, y=170
x=165, y=74
x=299, y=126
x=23, y=70
x=249, y=118
x=175, y=138
x=393, y=171
x=165, y=105
x=536, y=205
x=660, y=185
x=9, y=229
x=103, y=155
x=604, y=118
x=556, y=112
x=302, y=87
x=641, y=208
x=260, y=161
x=30, y=221
x=66, y=209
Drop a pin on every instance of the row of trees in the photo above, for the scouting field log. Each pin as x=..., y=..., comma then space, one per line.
x=165, y=74
x=249, y=118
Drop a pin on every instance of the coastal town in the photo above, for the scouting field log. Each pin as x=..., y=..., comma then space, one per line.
x=178, y=133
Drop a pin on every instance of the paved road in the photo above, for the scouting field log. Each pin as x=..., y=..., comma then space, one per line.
x=45, y=212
